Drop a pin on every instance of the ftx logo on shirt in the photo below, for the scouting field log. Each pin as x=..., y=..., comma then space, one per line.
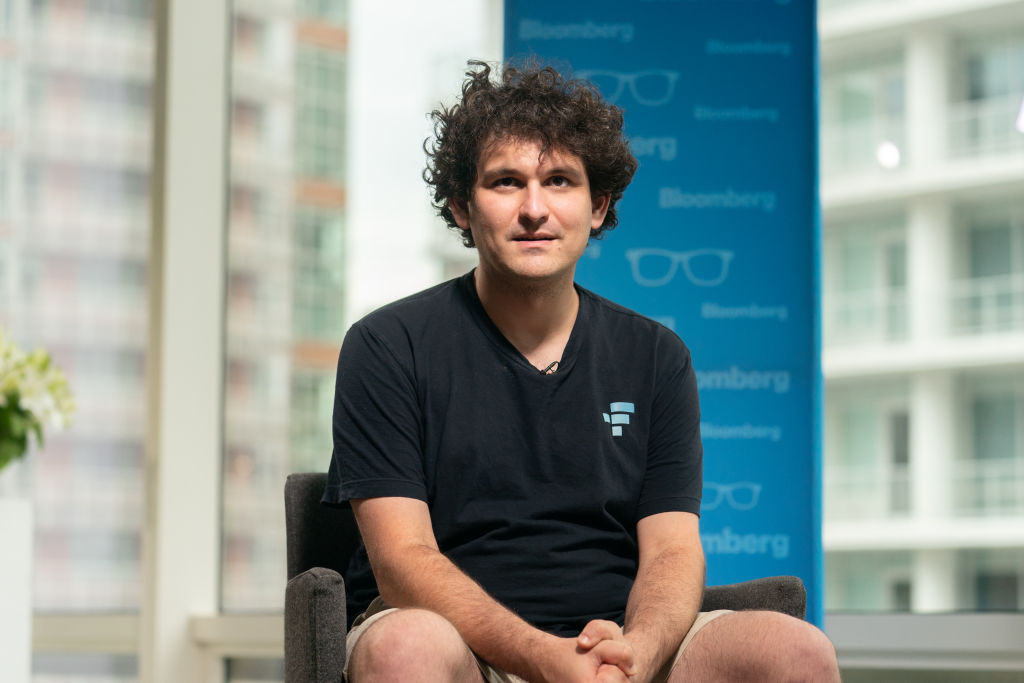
x=618, y=415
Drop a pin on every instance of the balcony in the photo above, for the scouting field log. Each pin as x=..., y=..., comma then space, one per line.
x=871, y=145
x=866, y=492
x=987, y=305
x=869, y=316
x=987, y=127
x=984, y=488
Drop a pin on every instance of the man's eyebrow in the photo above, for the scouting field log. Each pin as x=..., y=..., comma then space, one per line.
x=499, y=171
x=565, y=170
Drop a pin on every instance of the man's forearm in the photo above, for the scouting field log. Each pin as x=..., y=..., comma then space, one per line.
x=663, y=604
x=425, y=578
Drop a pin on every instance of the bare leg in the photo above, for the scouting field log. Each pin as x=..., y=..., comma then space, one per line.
x=758, y=646
x=412, y=646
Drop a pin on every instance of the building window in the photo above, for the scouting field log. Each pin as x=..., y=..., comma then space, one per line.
x=989, y=295
x=863, y=126
x=990, y=480
x=868, y=581
x=866, y=281
x=991, y=579
x=867, y=472
x=988, y=93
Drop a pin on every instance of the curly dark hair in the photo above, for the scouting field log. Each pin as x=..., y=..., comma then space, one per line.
x=530, y=103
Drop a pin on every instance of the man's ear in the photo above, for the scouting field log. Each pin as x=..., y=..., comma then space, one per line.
x=460, y=212
x=599, y=207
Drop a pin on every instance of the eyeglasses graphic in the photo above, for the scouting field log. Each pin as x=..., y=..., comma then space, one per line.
x=741, y=495
x=656, y=267
x=651, y=88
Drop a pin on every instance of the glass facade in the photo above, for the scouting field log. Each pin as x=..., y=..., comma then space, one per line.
x=75, y=122
x=286, y=230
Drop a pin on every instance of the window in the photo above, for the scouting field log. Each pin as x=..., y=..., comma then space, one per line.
x=867, y=474
x=989, y=296
x=75, y=224
x=988, y=93
x=862, y=116
x=866, y=281
x=285, y=295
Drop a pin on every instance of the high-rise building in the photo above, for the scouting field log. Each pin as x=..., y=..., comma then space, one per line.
x=75, y=141
x=286, y=275
x=922, y=157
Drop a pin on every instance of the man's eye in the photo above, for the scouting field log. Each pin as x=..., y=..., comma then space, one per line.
x=505, y=182
x=559, y=181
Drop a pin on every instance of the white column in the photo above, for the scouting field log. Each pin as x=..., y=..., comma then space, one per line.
x=932, y=443
x=930, y=267
x=934, y=581
x=16, y=588
x=181, y=541
x=927, y=95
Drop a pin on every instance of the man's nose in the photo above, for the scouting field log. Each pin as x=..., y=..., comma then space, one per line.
x=534, y=208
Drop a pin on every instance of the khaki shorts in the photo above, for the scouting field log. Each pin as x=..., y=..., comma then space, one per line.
x=378, y=609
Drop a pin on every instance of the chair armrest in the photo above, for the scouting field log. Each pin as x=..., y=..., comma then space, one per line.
x=784, y=594
x=314, y=627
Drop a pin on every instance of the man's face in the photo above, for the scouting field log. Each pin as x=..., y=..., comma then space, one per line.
x=530, y=214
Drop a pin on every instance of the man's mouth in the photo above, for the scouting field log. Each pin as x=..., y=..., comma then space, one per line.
x=533, y=238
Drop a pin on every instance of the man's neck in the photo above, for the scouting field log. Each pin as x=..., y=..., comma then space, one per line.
x=536, y=319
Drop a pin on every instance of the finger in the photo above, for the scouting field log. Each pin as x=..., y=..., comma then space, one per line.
x=615, y=652
x=608, y=673
x=598, y=630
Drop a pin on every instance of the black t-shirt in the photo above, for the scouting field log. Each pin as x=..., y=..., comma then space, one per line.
x=534, y=482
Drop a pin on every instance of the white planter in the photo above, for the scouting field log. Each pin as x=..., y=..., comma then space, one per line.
x=15, y=589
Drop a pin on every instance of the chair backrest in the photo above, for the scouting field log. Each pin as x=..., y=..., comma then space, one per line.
x=317, y=535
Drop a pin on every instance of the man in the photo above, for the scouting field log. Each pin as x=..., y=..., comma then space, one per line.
x=515, y=530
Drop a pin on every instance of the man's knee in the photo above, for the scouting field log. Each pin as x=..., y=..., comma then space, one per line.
x=804, y=652
x=759, y=646
x=407, y=645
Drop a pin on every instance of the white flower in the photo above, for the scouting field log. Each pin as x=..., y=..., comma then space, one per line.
x=33, y=393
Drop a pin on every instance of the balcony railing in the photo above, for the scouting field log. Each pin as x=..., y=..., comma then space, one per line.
x=987, y=305
x=879, y=315
x=874, y=144
x=989, y=487
x=874, y=491
x=882, y=491
x=986, y=126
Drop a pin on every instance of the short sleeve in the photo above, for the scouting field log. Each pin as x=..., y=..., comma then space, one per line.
x=377, y=423
x=673, y=479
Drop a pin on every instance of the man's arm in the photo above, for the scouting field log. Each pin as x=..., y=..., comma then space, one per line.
x=412, y=572
x=669, y=585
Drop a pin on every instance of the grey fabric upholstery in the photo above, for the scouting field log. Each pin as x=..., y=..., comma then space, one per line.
x=320, y=541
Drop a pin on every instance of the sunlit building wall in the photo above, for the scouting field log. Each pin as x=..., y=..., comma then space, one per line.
x=922, y=156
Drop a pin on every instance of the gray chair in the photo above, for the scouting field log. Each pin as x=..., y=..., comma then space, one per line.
x=321, y=540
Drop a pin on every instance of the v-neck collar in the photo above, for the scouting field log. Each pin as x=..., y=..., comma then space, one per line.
x=569, y=354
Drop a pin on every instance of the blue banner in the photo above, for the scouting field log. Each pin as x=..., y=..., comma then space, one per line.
x=718, y=239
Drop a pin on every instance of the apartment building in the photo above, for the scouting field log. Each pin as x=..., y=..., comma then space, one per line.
x=286, y=273
x=76, y=83
x=922, y=159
